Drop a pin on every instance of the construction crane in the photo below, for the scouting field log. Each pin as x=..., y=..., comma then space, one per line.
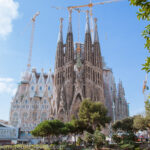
x=78, y=9
x=31, y=40
x=90, y=5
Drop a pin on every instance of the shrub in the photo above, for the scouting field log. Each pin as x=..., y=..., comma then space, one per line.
x=130, y=138
x=137, y=148
x=88, y=138
x=116, y=138
x=99, y=139
x=127, y=146
x=79, y=141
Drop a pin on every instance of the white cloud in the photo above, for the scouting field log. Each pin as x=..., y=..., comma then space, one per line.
x=7, y=85
x=6, y=80
x=8, y=12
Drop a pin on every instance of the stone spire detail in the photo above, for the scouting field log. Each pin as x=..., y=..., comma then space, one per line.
x=41, y=84
x=88, y=41
x=49, y=78
x=87, y=28
x=60, y=35
x=121, y=93
x=123, y=108
x=41, y=79
x=70, y=21
x=33, y=83
x=69, y=52
x=33, y=78
x=59, y=61
x=97, y=59
x=96, y=38
x=49, y=84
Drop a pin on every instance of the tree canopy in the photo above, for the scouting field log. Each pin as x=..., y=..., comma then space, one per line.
x=93, y=114
x=91, y=117
x=48, y=128
x=147, y=108
x=144, y=14
x=139, y=123
x=43, y=129
x=125, y=125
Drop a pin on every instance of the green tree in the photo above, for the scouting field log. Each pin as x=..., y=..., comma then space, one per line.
x=57, y=127
x=116, y=138
x=147, y=120
x=79, y=141
x=75, y=127
x=147, y=108
x=144, y=14
x=99, y=139
x=44, y=129
x=88, y=138
x=93, y=114
x=139, y=123
x=49, y=128
x=127, y=129
x=142, y=123
x=125, y=125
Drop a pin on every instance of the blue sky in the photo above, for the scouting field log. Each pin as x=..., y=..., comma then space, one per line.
x=119, y=32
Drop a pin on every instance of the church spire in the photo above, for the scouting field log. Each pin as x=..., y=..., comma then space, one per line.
x=88, y=41
x=96, y=38
x=70, y=21
x=121, y=92
x=87, y=28
x=59, y=61
x=60, y=35
x=69, y=52
x=97, y=59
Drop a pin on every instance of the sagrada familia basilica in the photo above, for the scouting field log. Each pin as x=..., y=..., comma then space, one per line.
x=80, y=73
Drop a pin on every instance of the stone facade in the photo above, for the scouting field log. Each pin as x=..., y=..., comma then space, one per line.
x=79, y=73
x=32, y=102
x=114, y=99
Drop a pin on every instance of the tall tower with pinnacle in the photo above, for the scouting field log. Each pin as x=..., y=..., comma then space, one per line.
x=77, y=78
x=79, y=73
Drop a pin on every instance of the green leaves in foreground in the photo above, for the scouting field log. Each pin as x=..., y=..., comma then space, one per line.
x=144, y=14
x=146, y=66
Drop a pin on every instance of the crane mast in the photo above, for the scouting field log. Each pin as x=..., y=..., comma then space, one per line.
x=31, y=40
x=78, y=8
x=90, y=5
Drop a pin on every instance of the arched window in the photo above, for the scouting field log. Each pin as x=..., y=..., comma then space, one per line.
x=43, y=116
x=45, y=101
x=25, y=115
x=49, y=88
x=88, y=72
x=34, y=116
x=32, y=88
x=93, y=76
x=15, y=116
